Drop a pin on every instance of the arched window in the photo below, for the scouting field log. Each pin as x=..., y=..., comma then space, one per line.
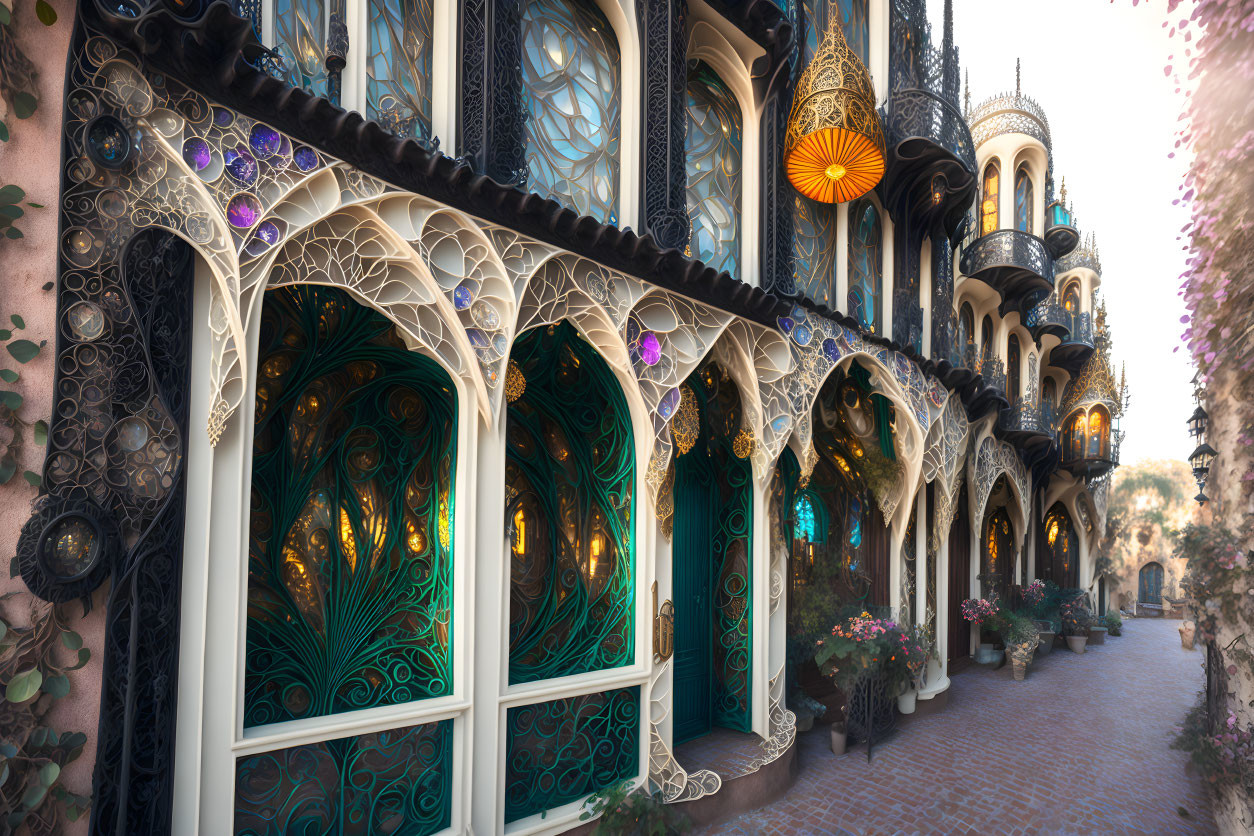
x=855, y=24
x=1150, y=584
x=803, y=522
x=988, y=203
x=986, y=336
x=866, y=245
x=398, y=65
x=1049, y=391
x=569, y=473
x=571, y=95
x=1071, y=297
x=350, y=573
x=1099, y=433
x=1073, y=438
x=1023, y=200
x=1013, y=372
x=713, y=158
x=300, y=36
x=1062, y=564
x=966, y=332
x=999, y=555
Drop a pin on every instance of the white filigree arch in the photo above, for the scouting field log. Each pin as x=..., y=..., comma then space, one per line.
x=993, y=459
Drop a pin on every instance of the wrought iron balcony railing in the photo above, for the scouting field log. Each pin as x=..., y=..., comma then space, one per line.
x=964, y=357
x=1061, y=236
x=1015, y=264
x=1048, y=317
x=908, y=319
x=993, y=370
x=1080, y=329
x=922, y=114
x=1030, y=418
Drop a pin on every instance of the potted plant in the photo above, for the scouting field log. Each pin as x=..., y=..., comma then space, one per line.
x=1097, y=632
x=1114, y=623
x=1187, y=630
x=1076, y=620
x=1020, y=636
x=1034, y=598
x=908, y=664
x=858, y=645
x=635, y=812
x=981, y=611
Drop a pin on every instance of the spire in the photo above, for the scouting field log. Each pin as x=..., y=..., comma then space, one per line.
x=1016, y=78
x=949, y=26
x=966, y=96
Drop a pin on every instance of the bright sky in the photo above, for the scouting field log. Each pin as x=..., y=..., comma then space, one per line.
x=1096, y=67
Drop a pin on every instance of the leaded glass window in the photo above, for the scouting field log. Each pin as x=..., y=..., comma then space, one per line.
x=713, y=163
x=1071, y=297
x=1063, y=547
x=803, y=519
x=300, y=39
x=1013, y=371
x=866, y=262
x=1023, y=200
x=398, y=65
x=814, y=250
x=571, y=96
x=966, y=332
x=988, y=203
x=1049, y=391
x=350, y=545
x=570, y=474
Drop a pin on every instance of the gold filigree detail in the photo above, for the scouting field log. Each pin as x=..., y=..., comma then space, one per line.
x=742, y=445
x=686, y=425
x=515, y=382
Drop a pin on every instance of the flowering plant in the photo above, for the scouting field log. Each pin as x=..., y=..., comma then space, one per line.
x=857, y=644
x=980, y=610
x=1034, y=593
x=1225, y=759
x=1076, y=618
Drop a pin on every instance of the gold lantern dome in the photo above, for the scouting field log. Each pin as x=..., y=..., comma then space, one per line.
x=834, y=150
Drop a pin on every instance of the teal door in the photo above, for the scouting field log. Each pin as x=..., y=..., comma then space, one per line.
x=691, y=575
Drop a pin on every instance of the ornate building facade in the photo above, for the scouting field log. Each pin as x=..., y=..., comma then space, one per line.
x=456, y=398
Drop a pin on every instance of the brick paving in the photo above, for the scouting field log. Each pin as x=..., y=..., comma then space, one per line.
x=1079, y=747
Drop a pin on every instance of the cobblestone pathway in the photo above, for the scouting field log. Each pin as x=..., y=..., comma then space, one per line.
x=1079, y=747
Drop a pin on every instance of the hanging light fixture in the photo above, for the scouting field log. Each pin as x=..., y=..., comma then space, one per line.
x=1197, y=423
x=1201, y=459
x=834, y=150
x=1201, y=498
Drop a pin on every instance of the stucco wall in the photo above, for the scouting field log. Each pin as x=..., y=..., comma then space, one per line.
x=30, y=159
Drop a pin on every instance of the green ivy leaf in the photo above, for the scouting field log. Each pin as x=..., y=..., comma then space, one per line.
x=57, y=686
x=34, y=205
x=46, y=14
x=41, y=432
x=8, y=466
x=13, y=400
x=47, y=286
x=38, y=737
x=49, y=773
x=24, y=685
x=23, y=351
x=17, y=321
x=5, y=333
x=71, y=640
x=15, y=567
x=32, y=478
x=13, y=232
x=4, y=129
x=8, y=375
x=12, y=211
x=34, y=796
x=24, y=105
x=11, y=194
x=84, y=656
x=73, y=740
x=6, y=17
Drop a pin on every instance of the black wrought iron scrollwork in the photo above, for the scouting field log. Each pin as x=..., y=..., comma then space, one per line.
x=492, y=120
x=871, y=711
x=1008, y=248
x=662, y=30
x=942, y=296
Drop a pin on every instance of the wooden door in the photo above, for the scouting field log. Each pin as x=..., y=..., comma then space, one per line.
x=695, y=499
x=959, y=579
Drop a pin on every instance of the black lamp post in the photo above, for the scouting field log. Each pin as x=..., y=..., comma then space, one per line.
x=1201, y=459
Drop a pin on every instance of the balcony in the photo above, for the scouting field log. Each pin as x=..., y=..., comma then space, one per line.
x=1061, y=236
x=1077, y=346
x=1093, y=466
x=1048, y=317
x=1015, y=264
x=1032, y=427
x=908, y=319
x=993, y=370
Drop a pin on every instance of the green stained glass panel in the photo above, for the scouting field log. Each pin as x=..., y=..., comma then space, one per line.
x=713, y=161
x=300, y=38
x=571, y=96
x=560, y=751
x=570, y=473
x=350, y=544
x=398, y=66
x=398, y=781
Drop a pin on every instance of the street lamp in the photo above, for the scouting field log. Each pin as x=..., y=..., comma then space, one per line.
x=1201, y=459
x=1197, y=423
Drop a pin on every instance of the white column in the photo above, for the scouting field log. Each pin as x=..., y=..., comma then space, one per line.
x=760, y=624
x=938, y=669
x=841, y=300
x=920, y=556
x=925, y=294
x=886, y=278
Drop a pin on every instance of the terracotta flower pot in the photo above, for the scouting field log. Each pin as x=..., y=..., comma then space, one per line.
x=1097, y=635
x=838, y=740
x=1187, y=630
x=1077, y=643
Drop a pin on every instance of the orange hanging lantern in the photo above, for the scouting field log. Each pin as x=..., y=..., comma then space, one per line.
x=834, y=150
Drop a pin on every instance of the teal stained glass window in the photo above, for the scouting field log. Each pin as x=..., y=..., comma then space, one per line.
x=1023, y=200
x=713, y=159
x=572, y=100
x=398, y=781
x=866, y=262
x=350, y=544
x=300, y=38
x=803, y=519
x=569, y=480
x=563, y=750
x=398, y=65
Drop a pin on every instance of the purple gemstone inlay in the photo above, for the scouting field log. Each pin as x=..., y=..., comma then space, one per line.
x=222, y=117
x=196, y=153
x=462, y=297
x=268, y=231
x=650, y=349
x=243, y=210
x=831, y=350
x=264, y=140
x=669, y=403
x=305, y=158
x=241, y=165
x=785, y=324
